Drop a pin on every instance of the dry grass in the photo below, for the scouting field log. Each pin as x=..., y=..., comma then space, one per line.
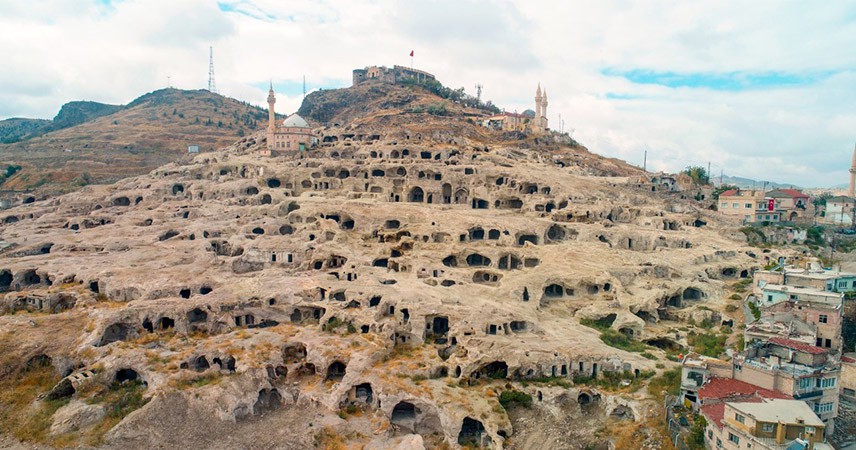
x=328, y=439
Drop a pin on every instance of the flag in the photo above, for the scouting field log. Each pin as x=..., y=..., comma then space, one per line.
x=411, y=53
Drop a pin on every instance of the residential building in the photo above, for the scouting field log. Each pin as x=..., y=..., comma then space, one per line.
x=751, y=206
x=815, y=278
x=802, y=371
x=774, y=424
x=794, y=202
x=839, y=211
x=696, y=370
x=821, y=309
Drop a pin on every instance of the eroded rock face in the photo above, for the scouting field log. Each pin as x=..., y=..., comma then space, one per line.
x=400, y=273
x=75, y=416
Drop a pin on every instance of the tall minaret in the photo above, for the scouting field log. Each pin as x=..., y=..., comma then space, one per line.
x=271, y=117
x=852, y=192
x=544, y=112
x=271, y=114
x=538, y=103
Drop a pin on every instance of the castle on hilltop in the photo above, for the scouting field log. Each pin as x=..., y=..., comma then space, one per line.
x=391, y=76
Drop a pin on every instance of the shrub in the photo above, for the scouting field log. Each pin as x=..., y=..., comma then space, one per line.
x=669, y=381
x=709, y=344
x=616, y=339
x=511, y=399
x=756, y=313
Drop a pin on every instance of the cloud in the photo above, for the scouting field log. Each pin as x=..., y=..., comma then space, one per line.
x=765, y=93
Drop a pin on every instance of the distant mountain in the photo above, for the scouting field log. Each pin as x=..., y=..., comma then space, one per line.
x=750, y=183
x=89, y=142
x=19, y=129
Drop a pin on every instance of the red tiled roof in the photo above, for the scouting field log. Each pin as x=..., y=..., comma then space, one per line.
x=714, y=413
x=729, y=193
x=848, y=359
x=794, y=193
x=727, y=388
x=797, y=345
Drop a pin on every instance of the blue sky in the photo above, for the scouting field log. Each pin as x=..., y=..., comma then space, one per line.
x=766, y=93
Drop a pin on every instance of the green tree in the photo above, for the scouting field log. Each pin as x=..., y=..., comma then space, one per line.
x=821, y=199
x=698, y=174
x=721, y=189
x=695, y=440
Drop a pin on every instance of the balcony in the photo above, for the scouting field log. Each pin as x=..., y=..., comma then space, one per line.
x=810, y=394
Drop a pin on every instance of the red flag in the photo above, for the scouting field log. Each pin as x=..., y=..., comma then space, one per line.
x=411, y=53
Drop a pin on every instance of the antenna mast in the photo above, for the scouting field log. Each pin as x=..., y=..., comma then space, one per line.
x=304, y=86
x=478, y=93
x=212, y=87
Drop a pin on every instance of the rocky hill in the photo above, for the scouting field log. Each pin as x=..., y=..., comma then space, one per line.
x=90, y=142
x=416, y=281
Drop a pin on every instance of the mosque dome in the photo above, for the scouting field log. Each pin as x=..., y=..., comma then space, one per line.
x=295, y=121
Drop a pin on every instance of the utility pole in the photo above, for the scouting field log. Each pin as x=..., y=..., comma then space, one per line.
x=479, y=87
x=645, y=162
x=168, y=84
x=708, y=171
x=304, y=86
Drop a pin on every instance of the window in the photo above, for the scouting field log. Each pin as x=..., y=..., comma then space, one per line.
x=819, y=342
x=718, y=442
x=748, y=206
x=806, y=383
x=733, y=438
x=739, y=418
x=794, y=297
x=724, y=205
x=768, y=427
x=828, y=343
x=735, y=205
x=823, y=318
x=709, y=434
x=769, y=298
x=821, y=408
x=825, y=382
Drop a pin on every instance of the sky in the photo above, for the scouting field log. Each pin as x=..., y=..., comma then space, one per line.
x=763, y=89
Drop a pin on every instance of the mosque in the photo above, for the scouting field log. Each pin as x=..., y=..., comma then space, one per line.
x=292, y=134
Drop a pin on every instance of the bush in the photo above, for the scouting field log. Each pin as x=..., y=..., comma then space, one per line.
x=616, y=339
x=756, y=313
x=708, y=344
x=695, y=440
x=511, y=399
x=730, y=308
x=669, y=381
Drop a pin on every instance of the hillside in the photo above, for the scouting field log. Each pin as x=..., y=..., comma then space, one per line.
x=19, y=129
x=415, y=281
x=98, y=143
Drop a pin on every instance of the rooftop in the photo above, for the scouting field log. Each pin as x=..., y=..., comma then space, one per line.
x=295, y=121
x=779, y=410
x=797, y=345
x=721, y=388
x=800, y=290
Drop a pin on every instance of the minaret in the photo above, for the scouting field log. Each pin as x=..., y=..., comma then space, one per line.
x=538, y=103
x=271, y=113
x=271, y=117
x=852, y=192
x=544, y=111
